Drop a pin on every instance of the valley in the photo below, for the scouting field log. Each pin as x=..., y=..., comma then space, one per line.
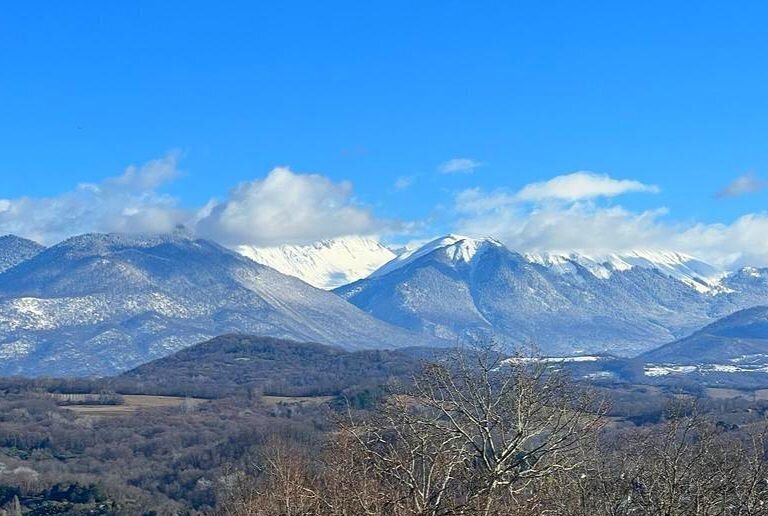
x=115, y=446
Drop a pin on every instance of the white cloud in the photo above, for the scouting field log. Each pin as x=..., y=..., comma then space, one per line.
x=570, y=224
x=403, y=182
x=581, y=227
x=125, y=203
x=581, y=185
x=286, y=207
x=744, y=184
x=283, y=207
x=474, y=200
x=456, y=165
x=568, y=213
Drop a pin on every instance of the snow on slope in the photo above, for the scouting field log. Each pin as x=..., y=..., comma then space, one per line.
x=695, y=273
x=99, y=304
x=459, y=288
x=457, y=248
x=326, y=264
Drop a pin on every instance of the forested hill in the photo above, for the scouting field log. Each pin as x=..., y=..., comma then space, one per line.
x=239, y=364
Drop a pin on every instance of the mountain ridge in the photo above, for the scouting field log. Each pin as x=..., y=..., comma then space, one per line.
x=562, y=305
x=739, y=338
x=100, y=303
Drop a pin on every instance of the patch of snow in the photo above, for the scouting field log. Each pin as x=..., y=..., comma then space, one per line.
x=16, y=349
x=600, y=375
x=552, y=360
x=667, y=369
x=661, y=370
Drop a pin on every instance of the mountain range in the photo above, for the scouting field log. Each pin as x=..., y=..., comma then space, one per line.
x=103, y=303
x=458, y=288
x=98, y=304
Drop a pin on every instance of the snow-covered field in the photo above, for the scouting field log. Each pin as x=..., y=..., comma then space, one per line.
x=664, y=370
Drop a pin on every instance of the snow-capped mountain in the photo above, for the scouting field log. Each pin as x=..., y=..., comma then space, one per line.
x=691, y=271
x=456, y=248
x=14, y=250
x=457, y=288
x=326, y=264
x=98, y=304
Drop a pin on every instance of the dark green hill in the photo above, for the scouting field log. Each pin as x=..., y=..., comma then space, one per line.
x=239, y=364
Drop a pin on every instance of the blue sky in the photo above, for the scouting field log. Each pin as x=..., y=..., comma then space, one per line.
x=379, y=96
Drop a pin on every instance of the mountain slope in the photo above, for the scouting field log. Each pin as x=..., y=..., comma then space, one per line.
x=99, y=304
x=737, y=338
x=691, y=271
x=458, y=288
x=326, y=264
x=14, y=250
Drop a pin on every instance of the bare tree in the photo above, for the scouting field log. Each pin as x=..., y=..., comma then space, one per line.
x=284, y=485
x=482, y=434
x=475, y=432
x=686, y=465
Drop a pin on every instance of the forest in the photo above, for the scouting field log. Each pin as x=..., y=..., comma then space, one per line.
x=464, y=431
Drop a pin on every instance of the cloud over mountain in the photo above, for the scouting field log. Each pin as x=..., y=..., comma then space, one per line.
x=281, y=207
x=285, y=207
x=581, y=212
x=129, y=202
x=581, y=185
x=564, y=214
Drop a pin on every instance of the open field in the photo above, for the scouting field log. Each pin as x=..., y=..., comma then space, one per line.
x=132, y=403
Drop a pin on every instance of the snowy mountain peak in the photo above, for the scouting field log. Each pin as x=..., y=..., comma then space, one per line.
x=457, y=248
x=695, y=273
x=691, y=271
x=465, y=249
x=325, y=264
